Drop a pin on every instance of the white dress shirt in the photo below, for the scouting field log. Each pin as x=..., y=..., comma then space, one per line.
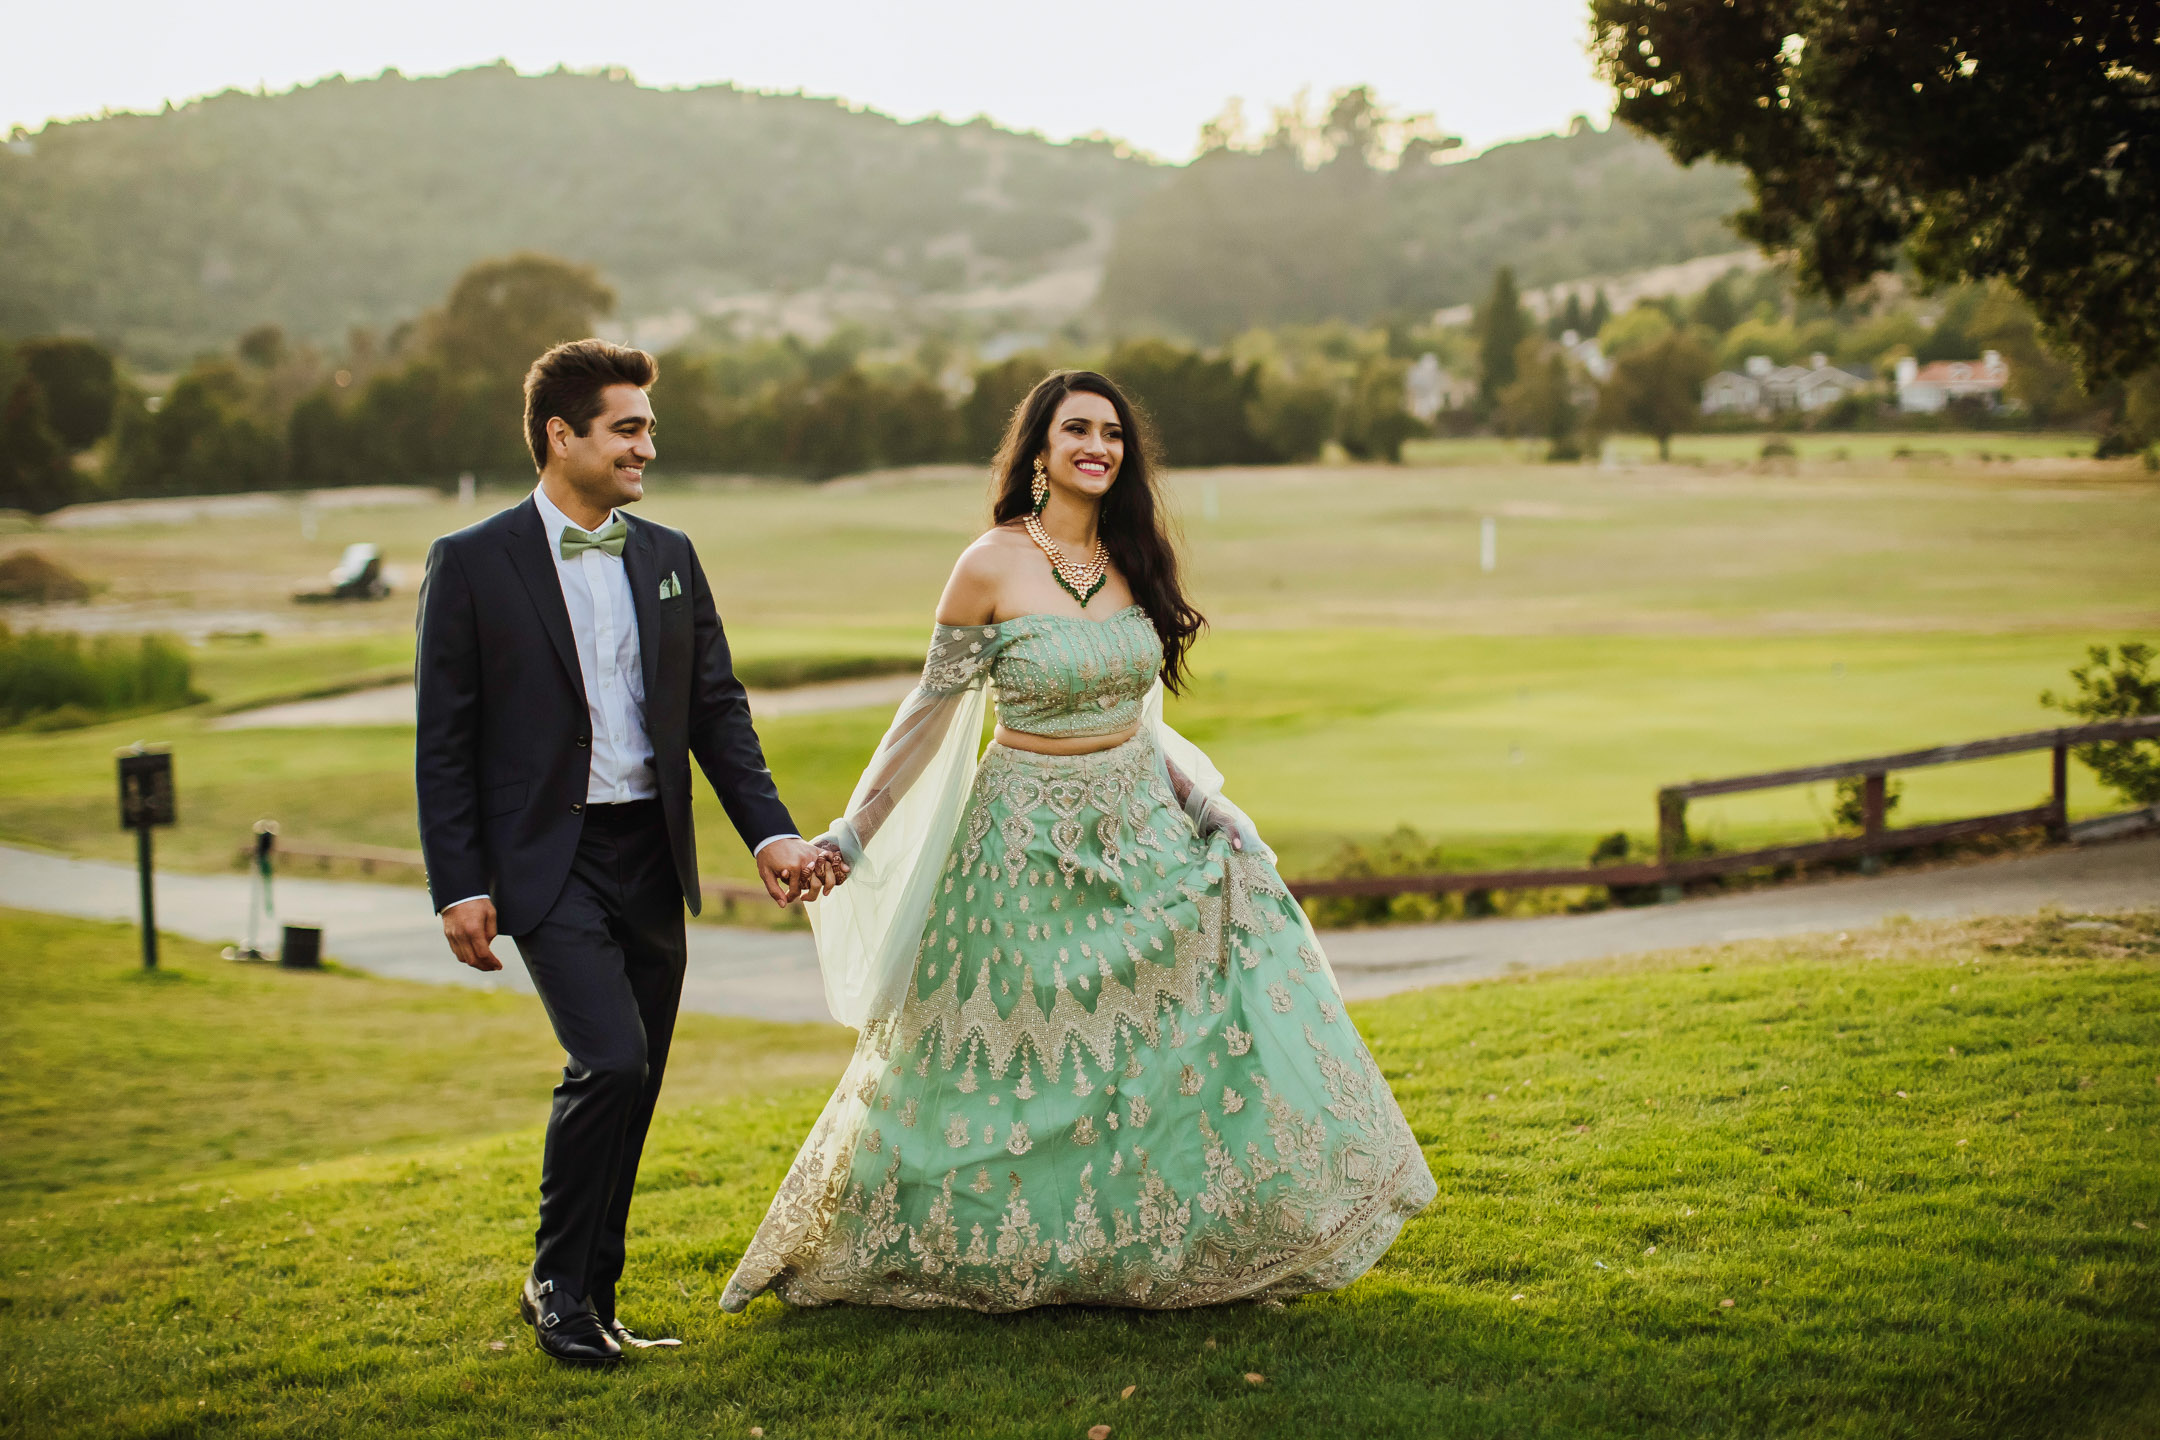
x=603, y=619
x=596, y=591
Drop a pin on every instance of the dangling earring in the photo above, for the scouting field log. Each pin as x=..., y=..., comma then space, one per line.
x=1039, y=489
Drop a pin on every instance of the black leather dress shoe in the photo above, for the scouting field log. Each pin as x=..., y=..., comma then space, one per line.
x=565, y=1326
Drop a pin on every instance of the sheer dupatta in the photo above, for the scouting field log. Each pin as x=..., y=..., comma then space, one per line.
x=899, y=828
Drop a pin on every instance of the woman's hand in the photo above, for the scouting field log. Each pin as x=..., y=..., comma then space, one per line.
x=1220, y=815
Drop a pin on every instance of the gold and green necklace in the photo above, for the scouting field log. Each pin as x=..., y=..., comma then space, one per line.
x=1080, y=581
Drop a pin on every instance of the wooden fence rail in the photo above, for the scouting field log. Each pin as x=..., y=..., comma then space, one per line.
x=1673, y=868
x=368, y=857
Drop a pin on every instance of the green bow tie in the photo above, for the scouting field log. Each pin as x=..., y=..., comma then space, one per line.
x=608, y=537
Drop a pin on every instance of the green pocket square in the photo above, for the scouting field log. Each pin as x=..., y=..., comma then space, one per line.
x=670, y=587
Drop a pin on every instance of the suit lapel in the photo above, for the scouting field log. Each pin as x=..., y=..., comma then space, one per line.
x=641, y=564
x=528, y=553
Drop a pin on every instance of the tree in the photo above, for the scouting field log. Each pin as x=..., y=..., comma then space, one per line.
x=989, y=408
x=34, y=470
x=1197, y=406
x=1656, y=389
x=1542, y=399
x=80, y=387
x=2117, y=686
x=1501, y=326
x=1643, y=325
x=1294, y=416
x=1568, y=317
x=1716, y=309
x=503, y=313
x=1992, y=138
x=1374, y=420
x=201, y=441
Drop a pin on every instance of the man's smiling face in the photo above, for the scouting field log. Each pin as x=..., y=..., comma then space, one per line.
x=606, y=465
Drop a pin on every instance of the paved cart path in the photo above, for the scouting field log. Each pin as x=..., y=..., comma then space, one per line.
x=393, y=704
x=388, y=929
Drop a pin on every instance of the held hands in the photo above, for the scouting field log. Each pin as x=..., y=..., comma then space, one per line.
x=798, y=870
x=469, y=926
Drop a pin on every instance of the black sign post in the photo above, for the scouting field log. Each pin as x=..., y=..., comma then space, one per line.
x=146, y=800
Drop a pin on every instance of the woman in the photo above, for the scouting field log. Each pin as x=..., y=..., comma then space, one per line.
x=1103, y=1060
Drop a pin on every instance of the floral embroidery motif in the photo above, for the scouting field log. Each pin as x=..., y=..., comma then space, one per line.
x=1270, y=1196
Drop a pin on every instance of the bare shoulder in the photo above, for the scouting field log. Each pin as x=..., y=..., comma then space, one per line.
x=980, y=574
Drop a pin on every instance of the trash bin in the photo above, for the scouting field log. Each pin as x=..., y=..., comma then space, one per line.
x=303, y=948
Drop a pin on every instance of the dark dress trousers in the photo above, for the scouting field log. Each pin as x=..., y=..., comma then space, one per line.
x=593, y=894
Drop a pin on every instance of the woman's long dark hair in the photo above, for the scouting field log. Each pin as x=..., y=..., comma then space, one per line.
x=1132, y=523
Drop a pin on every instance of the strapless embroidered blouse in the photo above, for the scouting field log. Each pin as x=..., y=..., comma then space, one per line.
x=1055, y=674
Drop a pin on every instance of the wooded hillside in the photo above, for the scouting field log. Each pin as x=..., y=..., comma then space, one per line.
x=357, y=203
x=1242, y=238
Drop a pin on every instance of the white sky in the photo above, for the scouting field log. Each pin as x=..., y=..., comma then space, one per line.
x=1147, y=71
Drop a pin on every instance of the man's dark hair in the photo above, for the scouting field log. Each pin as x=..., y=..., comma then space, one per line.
x=567, y=381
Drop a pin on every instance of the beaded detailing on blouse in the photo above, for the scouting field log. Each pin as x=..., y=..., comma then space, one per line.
x=1060, y=676
x=1055, y=675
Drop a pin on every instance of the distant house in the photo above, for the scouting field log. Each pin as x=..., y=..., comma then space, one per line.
x=1927, y=389
x=1588, y=354
x=1764, y=387
x=1731, y=392
x=1428, y=389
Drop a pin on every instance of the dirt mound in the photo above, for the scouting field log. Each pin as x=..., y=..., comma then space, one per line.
x=27, y=575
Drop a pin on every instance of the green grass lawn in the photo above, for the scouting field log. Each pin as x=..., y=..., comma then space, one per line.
x=1504, y=750
x=1641, y=627
x=1922, y=1164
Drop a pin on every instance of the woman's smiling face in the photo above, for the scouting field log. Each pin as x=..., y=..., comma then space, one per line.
x=1086, y=445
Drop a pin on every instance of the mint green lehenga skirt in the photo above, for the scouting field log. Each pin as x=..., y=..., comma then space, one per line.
x=1122, y=1076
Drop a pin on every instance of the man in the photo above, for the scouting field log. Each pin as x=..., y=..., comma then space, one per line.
x=570, y=663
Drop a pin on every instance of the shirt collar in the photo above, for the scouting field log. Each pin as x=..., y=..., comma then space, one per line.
x=555, y=522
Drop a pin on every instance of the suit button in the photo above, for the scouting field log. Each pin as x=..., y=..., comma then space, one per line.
x=583, y=740
x=577, y=807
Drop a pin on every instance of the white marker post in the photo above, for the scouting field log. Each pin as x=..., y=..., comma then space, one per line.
x=1488, y=544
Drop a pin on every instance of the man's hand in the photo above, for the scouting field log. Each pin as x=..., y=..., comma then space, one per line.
x=798, y=870
x=469, y=926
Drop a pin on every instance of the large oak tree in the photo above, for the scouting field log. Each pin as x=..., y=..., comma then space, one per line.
x=2017, y=139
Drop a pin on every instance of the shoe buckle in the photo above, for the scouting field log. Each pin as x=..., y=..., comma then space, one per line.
x=545, y=1287
x=551, y=1320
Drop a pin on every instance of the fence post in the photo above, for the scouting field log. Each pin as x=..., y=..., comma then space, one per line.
x=1671, y=838
x=1671, y=826
x=1874, y=793
x=2059, y=802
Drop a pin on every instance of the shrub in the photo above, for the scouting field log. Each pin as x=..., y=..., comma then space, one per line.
x=48, y=676
x=2117, y=684
x=1849, y=811
x=1617, y=849
x=29, y=576
x=1405, y=852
